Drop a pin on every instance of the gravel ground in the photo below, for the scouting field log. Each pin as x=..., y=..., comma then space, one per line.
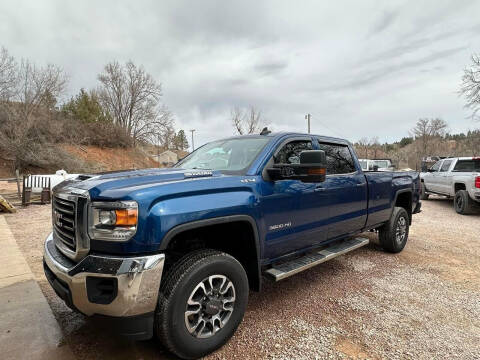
x=423, y=303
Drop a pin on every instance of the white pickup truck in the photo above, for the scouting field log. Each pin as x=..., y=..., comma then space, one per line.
x=454, y=177
x=376, y=165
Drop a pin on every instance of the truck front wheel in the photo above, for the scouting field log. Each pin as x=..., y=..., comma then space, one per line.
x=201, y=303
x=393, y=235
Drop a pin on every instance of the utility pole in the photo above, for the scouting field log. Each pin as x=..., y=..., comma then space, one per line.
x=307, y=117
x=193, y=144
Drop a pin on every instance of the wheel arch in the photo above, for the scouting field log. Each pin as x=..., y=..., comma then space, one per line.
x=459, y=185
x=252, y=250
x=403, y=198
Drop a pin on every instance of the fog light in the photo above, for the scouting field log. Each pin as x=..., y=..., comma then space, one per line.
x=101, y=290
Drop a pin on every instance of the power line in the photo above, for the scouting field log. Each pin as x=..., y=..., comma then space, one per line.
x=326, y=127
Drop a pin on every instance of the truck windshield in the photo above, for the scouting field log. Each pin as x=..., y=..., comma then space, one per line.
x=231, y=156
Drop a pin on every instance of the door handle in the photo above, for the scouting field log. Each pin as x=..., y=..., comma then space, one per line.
x=319, y=188
x=361, y=184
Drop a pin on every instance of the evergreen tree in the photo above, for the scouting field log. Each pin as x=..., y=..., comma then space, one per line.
x=180, y=141
x=86, y=107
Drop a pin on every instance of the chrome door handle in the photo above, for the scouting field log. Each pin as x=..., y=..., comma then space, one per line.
x=319, y=188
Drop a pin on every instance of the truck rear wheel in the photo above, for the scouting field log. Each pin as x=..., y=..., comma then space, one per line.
x=201, y=303
x=393, y=235
x=462, y=202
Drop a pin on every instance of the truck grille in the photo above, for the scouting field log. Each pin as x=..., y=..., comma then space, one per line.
x=63, y=218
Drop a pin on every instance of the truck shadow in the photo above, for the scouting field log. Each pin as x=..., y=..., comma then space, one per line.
x=288, y=298
x=446, y=203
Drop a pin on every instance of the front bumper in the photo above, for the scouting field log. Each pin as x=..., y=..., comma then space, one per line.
x=137, y=281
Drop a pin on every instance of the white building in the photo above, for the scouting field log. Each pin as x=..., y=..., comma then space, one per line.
x=166, y=158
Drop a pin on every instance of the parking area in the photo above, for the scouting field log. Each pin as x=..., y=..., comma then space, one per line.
x=423, y=303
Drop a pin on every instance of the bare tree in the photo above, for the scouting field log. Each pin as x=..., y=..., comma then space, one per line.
x=470, y=87
x=246, y=121
x=37, y=88
x=132, y=97
x=167, y=137
x=31, y=97
x=426, y=131
x=364, y=145
x=472, y=143
x=375, y=146
x=8, y=68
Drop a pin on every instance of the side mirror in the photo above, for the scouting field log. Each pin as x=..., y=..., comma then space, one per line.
x=312, y=168
x=375, y=167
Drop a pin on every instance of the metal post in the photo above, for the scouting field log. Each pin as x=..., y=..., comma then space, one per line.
x=193, y=144
x=17, y=173
x=307, y=117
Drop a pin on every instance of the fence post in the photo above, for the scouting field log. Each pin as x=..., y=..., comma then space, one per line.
x=17, y=173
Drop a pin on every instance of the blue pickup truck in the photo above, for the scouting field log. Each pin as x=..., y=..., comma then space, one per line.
x=173, y=253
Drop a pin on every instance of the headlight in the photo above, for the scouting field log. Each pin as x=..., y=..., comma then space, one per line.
x=113, y=221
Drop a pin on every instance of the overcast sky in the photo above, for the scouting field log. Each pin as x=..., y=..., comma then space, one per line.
x=360, y=68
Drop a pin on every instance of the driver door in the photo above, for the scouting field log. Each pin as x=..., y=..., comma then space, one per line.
x=432, y=177
x=293, y=217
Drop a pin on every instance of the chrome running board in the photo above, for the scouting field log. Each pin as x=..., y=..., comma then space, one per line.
x=292, y=267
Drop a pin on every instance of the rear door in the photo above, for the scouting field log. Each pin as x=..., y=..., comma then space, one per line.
x=345, y=188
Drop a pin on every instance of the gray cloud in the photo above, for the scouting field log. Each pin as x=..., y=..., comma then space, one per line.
x=361, y=68
x=270, y=68
x=382, y=73
x=387, y=19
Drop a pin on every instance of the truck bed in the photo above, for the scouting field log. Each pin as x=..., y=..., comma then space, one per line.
x=383, y=187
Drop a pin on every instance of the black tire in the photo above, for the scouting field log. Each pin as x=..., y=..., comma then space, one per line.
x=423, y=194
x=462, y=203
x=387, y=234
x=178, y=287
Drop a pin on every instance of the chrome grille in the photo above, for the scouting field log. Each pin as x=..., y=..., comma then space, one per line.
x=63, y=218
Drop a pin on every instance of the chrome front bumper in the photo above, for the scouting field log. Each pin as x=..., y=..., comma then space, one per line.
x=138, y=280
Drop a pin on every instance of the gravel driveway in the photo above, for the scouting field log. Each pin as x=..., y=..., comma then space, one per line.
x=423, y=303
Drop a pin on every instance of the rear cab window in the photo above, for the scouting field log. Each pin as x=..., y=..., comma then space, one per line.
x=472, y=165
x=339, y=158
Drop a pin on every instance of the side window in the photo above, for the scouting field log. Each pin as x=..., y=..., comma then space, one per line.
x=467, y=165
x=446, y=165
x=339, y=159
x=436, y=166
x=290, y=153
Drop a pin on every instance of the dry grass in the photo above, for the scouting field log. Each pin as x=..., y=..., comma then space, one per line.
x=112, y=159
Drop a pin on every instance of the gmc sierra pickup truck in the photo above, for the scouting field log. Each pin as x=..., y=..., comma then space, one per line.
x=455, y=177
x=173, y=253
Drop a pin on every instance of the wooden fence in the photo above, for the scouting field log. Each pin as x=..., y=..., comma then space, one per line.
x=36, y=184
x=32, y=189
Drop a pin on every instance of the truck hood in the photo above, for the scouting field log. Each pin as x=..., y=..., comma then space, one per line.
x=122, y=183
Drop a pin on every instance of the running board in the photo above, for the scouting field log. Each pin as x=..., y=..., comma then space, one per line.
x=292, y=267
